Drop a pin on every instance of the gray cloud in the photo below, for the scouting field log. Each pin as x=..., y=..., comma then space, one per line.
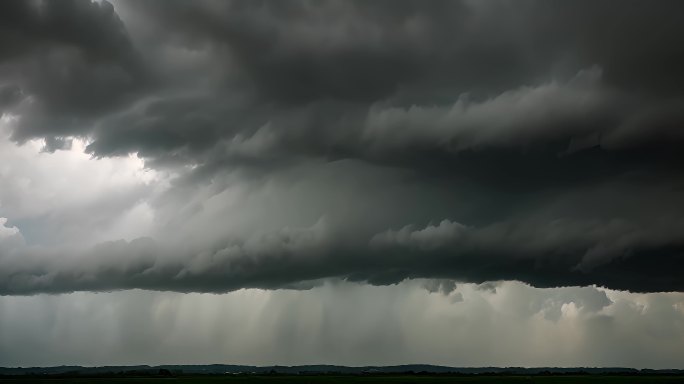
x=296, y=141
x=428, y=238
x=546, y=254
x=70, y=63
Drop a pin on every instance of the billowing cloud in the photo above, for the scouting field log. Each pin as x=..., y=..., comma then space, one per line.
x=545, y=254
x=213, y=146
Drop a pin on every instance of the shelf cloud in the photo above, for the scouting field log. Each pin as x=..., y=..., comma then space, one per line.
x=213, y=146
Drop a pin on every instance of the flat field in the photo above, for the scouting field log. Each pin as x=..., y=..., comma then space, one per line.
x=331, y=379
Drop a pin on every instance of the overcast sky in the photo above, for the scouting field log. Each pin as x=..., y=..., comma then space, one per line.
x=467, y=183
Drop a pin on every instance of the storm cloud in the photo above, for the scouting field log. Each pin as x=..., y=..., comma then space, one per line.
x=277, y=144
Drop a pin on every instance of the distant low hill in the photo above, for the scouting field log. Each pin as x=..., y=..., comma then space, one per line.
x=217, y=369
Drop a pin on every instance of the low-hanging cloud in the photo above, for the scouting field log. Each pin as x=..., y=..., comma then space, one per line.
x=544, y=254
x=290, y=142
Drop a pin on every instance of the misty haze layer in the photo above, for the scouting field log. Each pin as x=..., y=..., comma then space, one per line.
x=507, y=324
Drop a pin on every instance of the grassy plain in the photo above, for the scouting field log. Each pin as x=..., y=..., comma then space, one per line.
x=370, y=379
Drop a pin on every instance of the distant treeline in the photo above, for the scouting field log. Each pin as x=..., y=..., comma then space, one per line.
x=315, y=370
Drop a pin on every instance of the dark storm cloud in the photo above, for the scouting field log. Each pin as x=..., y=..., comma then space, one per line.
x=67, y=64
x=617, y=254
x=56, y=143
x=283, y=59
x=547, y=136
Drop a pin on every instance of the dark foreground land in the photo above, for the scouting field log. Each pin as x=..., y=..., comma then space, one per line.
x=333, y=379
x=332, y=374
